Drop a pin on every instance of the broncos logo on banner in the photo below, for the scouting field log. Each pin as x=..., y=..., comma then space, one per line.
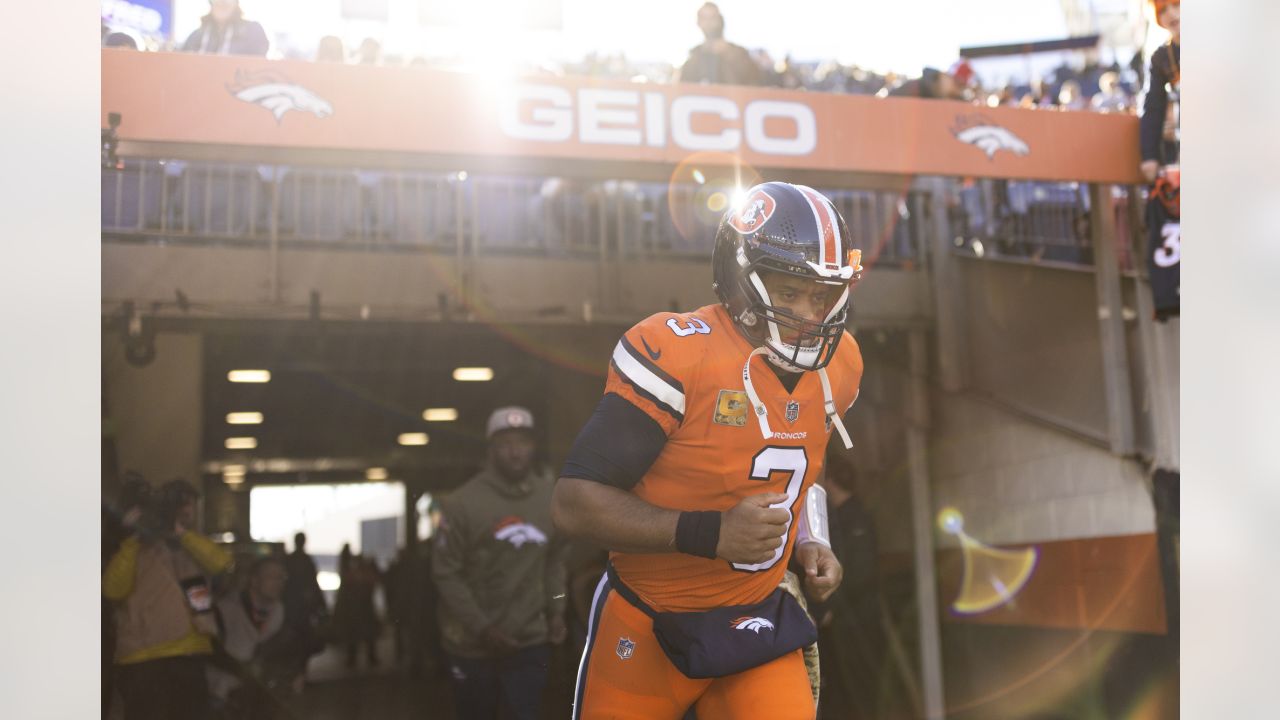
x=518, y=532
x=754, y=624
x=275, y=93
x=983, y=133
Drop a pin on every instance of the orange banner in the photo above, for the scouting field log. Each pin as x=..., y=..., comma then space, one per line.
x=252, y=102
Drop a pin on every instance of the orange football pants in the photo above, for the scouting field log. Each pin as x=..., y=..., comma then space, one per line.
x=625, y=674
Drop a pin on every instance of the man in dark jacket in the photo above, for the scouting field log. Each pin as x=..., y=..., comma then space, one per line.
x=500, y=576
x=224, y=31
x=1159, y=124
x=851, y=638
x=717, y=60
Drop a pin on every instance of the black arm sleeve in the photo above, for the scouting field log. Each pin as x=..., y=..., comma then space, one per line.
x=616, y=446
x=1154, y=106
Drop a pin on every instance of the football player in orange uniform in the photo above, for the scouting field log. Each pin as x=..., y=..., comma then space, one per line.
x=697, y=469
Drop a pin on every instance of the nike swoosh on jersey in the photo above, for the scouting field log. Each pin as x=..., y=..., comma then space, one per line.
x=652, y=355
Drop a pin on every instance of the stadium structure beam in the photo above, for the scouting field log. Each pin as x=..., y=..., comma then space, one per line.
x=1115, y=354
x=922, y=525
x=1085, y=42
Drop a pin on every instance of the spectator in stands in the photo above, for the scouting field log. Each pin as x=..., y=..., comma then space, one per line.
x=1111, y=97
x=966, y=78
x=787, y=75
x=1159, y=124
x=123, y=41
x=249, y=620
x=159, y=582
x=499, y=570
x=225, y=31
x=1035, y=96
x=717, y=60
x=370, y=52
x=331, y=49
x=1070, y=96
x=305, y=611
x=932, y=84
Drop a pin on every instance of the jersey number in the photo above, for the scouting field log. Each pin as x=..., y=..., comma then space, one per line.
x=693, y=326
x=766, y=462
x=1170, y=253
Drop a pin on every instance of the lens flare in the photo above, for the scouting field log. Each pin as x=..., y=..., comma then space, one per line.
x=992, y=576
x=701, y=189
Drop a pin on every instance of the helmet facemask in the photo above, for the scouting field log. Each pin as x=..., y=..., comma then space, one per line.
x=795, y=344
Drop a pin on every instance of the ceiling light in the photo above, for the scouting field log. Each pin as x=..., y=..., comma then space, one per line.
x=412, y=439
x=244, y=418
x=233, y=474
x=440, y=414
x=473, y=374
x=375, y=473
x=249, y=376
x=241, y=443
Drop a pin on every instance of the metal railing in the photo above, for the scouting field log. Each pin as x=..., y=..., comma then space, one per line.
x=229, y=203
x=1045, y=223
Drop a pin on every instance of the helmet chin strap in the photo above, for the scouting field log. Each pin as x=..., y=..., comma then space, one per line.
x=830, y=407
x=762, y=413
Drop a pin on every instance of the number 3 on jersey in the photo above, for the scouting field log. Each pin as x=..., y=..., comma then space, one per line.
x=694, y=325
x=1170, y=253
x=766, y=462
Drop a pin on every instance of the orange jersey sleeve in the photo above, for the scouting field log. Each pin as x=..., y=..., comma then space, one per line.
x=655, y=366
x=846, y=373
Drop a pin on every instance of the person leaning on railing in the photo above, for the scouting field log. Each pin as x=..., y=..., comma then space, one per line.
x=1159, y=123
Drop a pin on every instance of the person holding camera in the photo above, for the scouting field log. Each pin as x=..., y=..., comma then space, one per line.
x=158, y=582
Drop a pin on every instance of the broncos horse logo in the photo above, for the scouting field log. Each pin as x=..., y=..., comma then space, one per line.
x=990, y=138
x=754, y=213
x=518, y=533
x=754, y=624
x=275, y=93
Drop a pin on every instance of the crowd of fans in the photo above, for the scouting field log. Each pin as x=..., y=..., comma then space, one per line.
x=1113, y=88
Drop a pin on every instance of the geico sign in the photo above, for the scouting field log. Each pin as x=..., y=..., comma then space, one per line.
x=613, y=117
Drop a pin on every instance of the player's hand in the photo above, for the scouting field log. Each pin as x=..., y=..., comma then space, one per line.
x=1150, y=168
x=556, y=629
x=499, y=642
x=751, y=531
x=822, y=571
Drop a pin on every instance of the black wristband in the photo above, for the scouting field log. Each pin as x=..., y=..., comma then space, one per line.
x=698, y=533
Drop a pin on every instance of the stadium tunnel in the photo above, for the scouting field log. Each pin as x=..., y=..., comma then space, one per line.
x=1013, y=368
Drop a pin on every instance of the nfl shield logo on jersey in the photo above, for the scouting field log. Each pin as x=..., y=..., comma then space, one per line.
x=793, y=411
x=625, y=648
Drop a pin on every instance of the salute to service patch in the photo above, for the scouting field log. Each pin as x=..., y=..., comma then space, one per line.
x=731, y=408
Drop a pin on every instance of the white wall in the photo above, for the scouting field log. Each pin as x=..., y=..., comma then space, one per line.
x=1015, y=481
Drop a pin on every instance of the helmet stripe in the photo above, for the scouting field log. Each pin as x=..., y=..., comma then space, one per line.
x=825, y=219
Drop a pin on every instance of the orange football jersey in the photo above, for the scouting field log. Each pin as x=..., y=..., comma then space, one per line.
x=686, y=372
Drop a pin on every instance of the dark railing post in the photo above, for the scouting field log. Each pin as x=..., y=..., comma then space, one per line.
x=273, y=247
